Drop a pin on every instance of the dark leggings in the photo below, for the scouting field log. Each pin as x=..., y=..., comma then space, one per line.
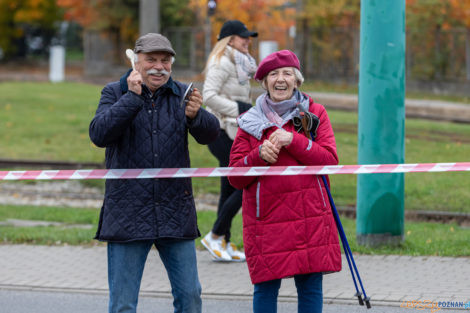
x=230, y=200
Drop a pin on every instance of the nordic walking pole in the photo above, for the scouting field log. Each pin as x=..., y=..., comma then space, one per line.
x=346, y=247
x=358, y=293
x=342, y=234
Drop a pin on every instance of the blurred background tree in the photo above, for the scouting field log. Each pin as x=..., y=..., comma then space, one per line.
x=111, y=26
x=428, y=23
x=324, y=33
x=272, y=19
x=120, y=18
x=461, y=12
x=115, y=21
x=27, y=26
x=331, y=29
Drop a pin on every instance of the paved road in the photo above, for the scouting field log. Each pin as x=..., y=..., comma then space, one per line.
x=22, y=301
x=388, y=280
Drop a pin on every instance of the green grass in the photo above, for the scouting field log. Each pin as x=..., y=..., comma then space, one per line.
x=71, y=216
x=321, y=86
x=437, y=239
x=420, y=238
x=51, y=234
x=50, y=214
x=50, y=121
x=426, y=142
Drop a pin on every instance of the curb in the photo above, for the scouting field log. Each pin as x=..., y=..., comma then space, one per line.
x=208, y=296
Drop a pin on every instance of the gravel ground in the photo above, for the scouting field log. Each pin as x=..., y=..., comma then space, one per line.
x=70, y=194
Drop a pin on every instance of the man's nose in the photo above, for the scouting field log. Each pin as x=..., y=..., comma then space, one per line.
x=158, y=65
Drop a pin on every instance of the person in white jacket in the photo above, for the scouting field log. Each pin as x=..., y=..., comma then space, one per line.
x=227, y=94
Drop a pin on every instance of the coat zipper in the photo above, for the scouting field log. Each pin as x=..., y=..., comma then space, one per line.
x=257, y=199
x=321, y=191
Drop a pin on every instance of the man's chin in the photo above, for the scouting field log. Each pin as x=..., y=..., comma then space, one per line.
x=157, y=83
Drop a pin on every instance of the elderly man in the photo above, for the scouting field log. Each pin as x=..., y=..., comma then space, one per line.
x=143, y=122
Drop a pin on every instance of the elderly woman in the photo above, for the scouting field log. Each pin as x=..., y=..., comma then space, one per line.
x=288, y=226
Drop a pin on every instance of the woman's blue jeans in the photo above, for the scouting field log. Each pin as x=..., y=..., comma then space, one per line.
x=309, y=294
x=126, y=263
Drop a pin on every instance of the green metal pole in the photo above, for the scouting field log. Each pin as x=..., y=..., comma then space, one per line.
x=381, y=129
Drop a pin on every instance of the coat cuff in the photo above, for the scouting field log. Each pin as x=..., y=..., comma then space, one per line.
x=195, y=121
x=299, y=144
x=135, y=98
x=254, y=159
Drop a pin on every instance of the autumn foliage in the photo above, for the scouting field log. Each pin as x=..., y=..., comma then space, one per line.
x=115, y=18
x=437, y=30
x=270, y=18
x=18, y=17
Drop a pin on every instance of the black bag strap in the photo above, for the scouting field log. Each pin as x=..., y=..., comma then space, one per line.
x=308, y=122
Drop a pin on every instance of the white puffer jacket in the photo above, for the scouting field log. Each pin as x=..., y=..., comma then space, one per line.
x=221, y=91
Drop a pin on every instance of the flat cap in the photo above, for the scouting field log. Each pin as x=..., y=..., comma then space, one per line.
x=153, y=42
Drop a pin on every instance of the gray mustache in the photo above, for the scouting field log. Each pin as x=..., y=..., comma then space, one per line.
x=155, y=72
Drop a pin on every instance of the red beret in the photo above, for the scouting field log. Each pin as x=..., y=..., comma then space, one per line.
x=283, y=58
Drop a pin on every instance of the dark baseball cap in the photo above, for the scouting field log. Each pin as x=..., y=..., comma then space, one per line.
x=235, y=27
x=153, y=42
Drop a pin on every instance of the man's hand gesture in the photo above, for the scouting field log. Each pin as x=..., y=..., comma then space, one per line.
x=194, y=104
x=134, y=82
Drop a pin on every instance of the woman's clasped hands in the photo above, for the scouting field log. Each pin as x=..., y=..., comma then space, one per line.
x=271, y=147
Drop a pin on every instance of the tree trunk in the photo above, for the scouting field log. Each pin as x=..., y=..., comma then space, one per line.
x=99, y=54
x=467, y=52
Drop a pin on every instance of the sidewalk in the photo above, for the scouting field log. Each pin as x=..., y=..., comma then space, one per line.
x=388, y=280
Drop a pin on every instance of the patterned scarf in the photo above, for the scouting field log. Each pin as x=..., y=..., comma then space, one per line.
x=278, y=112
x=245, y=65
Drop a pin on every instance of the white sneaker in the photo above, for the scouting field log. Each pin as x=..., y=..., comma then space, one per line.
x=237, y=256
x=216, y=248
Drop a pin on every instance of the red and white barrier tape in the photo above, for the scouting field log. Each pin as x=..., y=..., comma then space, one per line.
x=232, y=171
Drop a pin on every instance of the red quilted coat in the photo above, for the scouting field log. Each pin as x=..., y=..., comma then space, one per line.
x=288, y=226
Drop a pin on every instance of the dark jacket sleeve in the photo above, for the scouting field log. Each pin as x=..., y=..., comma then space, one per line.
x=204, y=127
x=113, y=116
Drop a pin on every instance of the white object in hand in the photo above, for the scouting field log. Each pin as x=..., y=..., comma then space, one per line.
x=131, y=56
